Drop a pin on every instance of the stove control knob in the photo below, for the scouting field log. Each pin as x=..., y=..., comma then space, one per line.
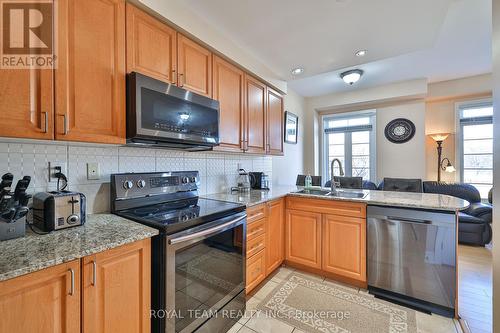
x=185, y=180
x=128, y=184
x=141, y=183
x=193, y=179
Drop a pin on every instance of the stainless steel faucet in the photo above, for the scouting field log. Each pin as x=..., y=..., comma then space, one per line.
x=333, y=184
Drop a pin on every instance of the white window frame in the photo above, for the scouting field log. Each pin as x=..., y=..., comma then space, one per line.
x=459, y=156
x=348, y=146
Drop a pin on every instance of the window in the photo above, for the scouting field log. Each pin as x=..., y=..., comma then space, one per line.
x=476, y=145
x=350, y=138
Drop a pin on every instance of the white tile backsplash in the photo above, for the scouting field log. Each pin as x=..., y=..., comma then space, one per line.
x=218, y=171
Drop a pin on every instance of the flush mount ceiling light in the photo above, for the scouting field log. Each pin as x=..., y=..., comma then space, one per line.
x=297, y=71
x=352, y=76
x=360, y=53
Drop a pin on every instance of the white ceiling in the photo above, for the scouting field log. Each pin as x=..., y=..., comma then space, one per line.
x=405, y=39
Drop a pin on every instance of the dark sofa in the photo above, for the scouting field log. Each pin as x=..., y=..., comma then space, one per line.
x=474, y=223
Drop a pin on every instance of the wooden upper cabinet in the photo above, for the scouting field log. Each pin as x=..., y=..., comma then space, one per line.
x=344, y=246
x=228, y=89
x=26, y=103
x=303, y=238
x=194, y=65
x=45, y=301
x=90, y=77
x=275, y=233
x=151, y=46
x=116, y=287
x=255, y=110
x=274, y=122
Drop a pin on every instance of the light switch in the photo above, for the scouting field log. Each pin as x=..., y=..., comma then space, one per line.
x=93, y=172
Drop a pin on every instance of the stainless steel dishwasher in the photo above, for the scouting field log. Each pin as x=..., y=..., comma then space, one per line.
x=412, y=257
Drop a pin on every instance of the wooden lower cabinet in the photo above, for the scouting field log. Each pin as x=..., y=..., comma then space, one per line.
x=46, y=301
x=275, y=235
x=103, y=293
x=344, y=246
x=116, y=286
x=328, y=237
x=303, y=238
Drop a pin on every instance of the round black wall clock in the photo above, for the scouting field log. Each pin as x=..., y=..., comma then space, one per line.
x=400, y=130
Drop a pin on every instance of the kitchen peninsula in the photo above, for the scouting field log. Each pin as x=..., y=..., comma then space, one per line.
x=395, y=244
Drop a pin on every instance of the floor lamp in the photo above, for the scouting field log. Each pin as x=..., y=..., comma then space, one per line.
x=448, y=167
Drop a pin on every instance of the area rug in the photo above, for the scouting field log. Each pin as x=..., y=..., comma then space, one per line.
x=315, y=306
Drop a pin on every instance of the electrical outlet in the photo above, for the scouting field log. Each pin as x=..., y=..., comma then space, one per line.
x=54, y=167
x=93, y=172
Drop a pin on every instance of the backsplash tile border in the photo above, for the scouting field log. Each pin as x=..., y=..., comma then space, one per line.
x=218, y=171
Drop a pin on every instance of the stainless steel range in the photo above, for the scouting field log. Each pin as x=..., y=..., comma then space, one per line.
x=198, y=259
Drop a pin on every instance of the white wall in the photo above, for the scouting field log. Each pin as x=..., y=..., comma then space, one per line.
x=287, y=167
x=406, y=160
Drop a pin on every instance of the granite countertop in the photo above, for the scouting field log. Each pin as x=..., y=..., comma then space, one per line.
x=254, y=197
x=35, y=252
x=384, y=198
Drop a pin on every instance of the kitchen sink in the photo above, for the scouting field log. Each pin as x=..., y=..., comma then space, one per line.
x=314, y=192
x=340, y=194
x=348, y=194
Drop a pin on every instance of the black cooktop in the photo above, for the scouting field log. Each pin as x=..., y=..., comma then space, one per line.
x=174, y=216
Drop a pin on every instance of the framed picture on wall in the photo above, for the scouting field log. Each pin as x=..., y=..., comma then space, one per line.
x=291, y=127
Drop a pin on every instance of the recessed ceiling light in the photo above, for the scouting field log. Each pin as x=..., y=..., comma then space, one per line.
x=361, y=53
x=352, y=76
x=297, y=71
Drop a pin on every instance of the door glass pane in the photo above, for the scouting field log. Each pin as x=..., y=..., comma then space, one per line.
x=361, y=149
x=336, y=138
x=361, y=137
x=478, y=176
x=364, y=172
x=484, y=131
x=478, y=146
x=477, y=112
x=360, y=162
x=478, y=161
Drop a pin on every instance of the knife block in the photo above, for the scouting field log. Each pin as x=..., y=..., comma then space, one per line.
x=12, y=230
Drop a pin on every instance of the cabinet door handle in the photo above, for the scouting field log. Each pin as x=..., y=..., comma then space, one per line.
x=72, y=278
x=94, y=273
x=181, y=80
x=65, y=123
x=46, y=124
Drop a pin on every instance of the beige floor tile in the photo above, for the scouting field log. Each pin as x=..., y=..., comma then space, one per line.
x=311, y=276
x=251, y=307
x=245, y=329
x=236, y=327
x=265, y=290
x=281, y=273
x=434, y=324
x=264, y=324
x=296, y=330
x=340, y=285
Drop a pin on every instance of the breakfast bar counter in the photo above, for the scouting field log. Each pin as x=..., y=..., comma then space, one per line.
x=372, y=197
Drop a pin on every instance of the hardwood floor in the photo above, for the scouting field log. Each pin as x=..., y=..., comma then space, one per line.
x=475, y=287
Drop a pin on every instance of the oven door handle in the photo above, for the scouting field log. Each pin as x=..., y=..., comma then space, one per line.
x=206, y=232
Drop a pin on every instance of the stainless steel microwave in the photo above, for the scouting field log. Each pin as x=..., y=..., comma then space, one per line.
x=165, y=115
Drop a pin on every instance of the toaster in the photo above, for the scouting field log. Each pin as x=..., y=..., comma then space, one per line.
x=58, y=210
